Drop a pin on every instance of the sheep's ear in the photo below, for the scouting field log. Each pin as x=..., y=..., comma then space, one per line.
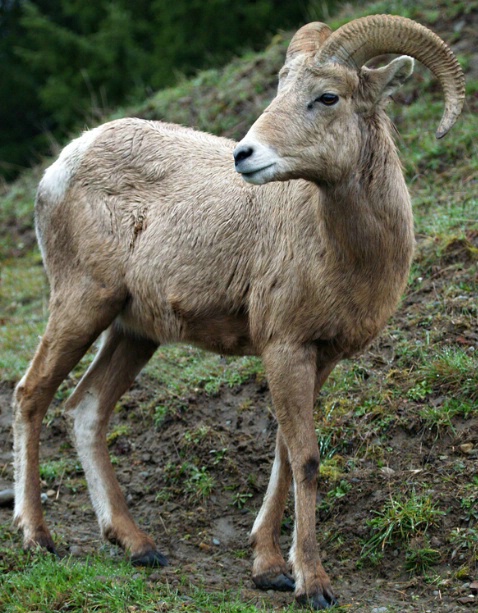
x=379, y=83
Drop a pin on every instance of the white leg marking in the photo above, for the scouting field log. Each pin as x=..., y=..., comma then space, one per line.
x=298, y=574
x=271, y=488
x=85, y=430
x=19, y=459
x=20, y=468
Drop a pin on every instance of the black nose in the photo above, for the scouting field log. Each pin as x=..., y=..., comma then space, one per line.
x=241, y=153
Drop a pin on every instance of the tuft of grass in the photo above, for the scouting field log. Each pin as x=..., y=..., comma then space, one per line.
x=453, y=371
x=199, y=483
x=196, y=482
x=418, y=560
x=198, y=435
x=398, y=522
x=469, y=503
x=440, y=417
x=465, y=544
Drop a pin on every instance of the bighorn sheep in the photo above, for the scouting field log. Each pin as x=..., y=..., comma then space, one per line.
x=149, y=236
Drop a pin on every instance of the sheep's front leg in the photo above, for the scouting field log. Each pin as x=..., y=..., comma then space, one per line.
x=292, y=375
x=270, y=570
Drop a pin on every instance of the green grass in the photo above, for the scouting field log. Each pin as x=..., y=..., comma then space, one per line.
x=400, y=520
x=183, y=369
x=464, y=541
x=419, y=560
x=23, y=309
x=45, y=584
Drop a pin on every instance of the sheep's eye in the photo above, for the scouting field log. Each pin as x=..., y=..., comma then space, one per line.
x=328, y=99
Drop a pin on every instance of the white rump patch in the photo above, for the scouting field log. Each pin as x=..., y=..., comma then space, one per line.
x=57, y=177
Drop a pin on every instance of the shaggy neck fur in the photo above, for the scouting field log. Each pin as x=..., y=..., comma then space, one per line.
x=368, y=215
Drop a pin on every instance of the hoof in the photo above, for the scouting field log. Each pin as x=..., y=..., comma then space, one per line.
x=150, y=558
x=317, y=602
x=282, y=582
x=44, y=542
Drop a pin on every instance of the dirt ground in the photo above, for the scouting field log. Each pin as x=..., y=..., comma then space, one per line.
x=207, y=539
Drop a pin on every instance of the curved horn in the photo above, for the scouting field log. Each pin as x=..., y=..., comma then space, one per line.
x=362, y=39
x=308, y=39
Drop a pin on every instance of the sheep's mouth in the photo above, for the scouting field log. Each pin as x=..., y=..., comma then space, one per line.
x=258, y=175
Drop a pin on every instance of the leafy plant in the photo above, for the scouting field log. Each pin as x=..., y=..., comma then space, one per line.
x=465, y=540
x=199, y=483
x=239, y=499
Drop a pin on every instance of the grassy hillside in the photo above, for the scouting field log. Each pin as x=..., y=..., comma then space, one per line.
x=398, y=428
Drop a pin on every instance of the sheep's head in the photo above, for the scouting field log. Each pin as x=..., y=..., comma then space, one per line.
x=312, y=129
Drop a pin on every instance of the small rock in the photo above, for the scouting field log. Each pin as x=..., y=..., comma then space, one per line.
x=387, y=471
x=216, y=541
x=76, y=551
x=101, y=579
x=379, y=610
x=466, y=448
x=6, y=498
x=44, y=498
x=50, y=493
x=185, y=598
x=474, y=587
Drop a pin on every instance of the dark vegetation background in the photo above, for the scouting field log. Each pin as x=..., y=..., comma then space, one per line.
x=66, y=62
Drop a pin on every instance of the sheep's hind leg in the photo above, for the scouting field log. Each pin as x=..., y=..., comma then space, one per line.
x=119, y=360
x=68, y=335
x=269, y=570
